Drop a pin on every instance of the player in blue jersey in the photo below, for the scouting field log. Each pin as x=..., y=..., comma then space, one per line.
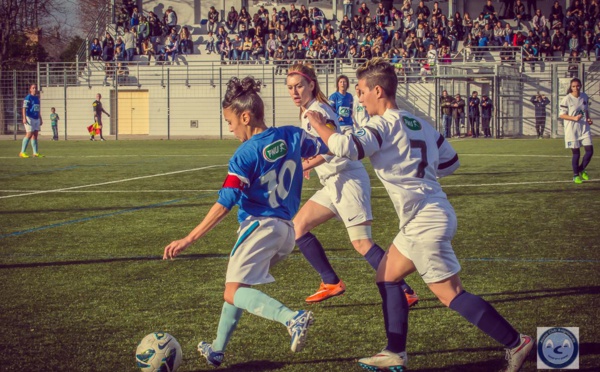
x=32, y=121
x=408, y=155
x=346, y=194
x=342, y=103
x=265, y=180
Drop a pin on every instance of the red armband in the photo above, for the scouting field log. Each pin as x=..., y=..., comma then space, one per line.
x=233, y=182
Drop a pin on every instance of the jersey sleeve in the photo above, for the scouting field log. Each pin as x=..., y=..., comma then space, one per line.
x=448, y=158
x=364, y=143
x=563, y=108
x=311, y=146
x=26, y=102
x=238, y=178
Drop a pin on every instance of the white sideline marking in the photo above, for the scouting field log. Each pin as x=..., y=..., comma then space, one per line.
x=70, y=189
x=516, y=155
x=111, y=182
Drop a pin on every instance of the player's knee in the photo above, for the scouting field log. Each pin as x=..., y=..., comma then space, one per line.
x=229, y=294
x=300, y=228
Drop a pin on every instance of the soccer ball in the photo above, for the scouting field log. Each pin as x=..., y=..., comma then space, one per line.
x=158, y=352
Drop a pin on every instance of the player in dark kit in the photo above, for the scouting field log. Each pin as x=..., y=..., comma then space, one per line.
x=98, y=110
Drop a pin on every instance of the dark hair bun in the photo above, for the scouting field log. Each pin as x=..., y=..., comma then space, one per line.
x=237, y=88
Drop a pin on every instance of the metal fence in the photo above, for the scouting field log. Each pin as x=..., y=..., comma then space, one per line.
x=183, y=100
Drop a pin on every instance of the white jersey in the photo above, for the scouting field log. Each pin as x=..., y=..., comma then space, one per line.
x=575, y=130
x=333, y=164
x=359, y=114
x=408, y=156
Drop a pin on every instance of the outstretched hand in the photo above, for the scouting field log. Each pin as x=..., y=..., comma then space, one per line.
x=175, y=248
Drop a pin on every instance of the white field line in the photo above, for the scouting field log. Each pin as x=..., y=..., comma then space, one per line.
x=125, y=156
x=29, y=192
x=70, y=190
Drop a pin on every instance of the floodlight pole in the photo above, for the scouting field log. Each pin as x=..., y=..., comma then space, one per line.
x=168, y=103
x=65, y=101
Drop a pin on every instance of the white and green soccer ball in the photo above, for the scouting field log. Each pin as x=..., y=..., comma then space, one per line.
x=158, y=352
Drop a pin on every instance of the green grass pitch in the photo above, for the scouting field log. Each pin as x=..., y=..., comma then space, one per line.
x=82, y=232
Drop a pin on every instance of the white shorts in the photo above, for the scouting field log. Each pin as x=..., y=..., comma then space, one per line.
x=262, y=242
x=32, y=125
x=348, y=195
x=577, y=135
x=426, y=240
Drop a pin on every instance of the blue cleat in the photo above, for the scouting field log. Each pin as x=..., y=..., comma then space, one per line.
x=214, y=358
x=297, y=328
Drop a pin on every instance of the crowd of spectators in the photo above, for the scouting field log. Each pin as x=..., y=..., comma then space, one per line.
x=413, y=38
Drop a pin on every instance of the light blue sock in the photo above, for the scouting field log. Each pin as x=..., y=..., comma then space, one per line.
x=230, y=315
x=258, y=303
x=34, y=146
x=25, y=144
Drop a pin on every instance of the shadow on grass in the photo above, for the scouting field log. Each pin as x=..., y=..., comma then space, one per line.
x=487, y=365
x=109, y=260
x=514, y=296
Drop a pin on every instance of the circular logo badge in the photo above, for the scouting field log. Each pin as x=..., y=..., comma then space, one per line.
x=558, y=347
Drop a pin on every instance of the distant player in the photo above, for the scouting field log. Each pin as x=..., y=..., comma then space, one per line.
x=360, y=116
x=32, y=121
x=98, y=110
x=54, y=123
x=408, y=156
x=574, y=110
x=342, y=102
x=346, y=193
x=265, y=180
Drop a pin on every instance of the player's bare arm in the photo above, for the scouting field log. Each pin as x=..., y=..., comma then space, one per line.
x=212, y=219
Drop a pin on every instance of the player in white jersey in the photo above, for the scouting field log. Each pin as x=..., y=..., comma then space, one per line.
x=408, y=155
x=265, y=180
x=360, y=116
x=574, y=110
x=346, y=193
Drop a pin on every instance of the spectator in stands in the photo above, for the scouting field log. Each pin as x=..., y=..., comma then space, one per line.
x=284, y=18
x=458, y=114
x=482, y=43
x=147, y=49
x=488, y=9
x=467, y=24
x=170, y=49
x=574, y=43
x=317, y=17
x=155, y=27
x=246, y=49
x=213, y=19
x=486, y=115
x=507, y=53
x=171, y=19
x=283, y=36
x=519, y=12
x=347, y=8
x=474, y=103
x=557, y=17
x=446, y=110
x=574, y=61
x=345, y=27
x=559, y=43
x=122, y=20
x=290, y=55
x=108, y=55
x=221, y=37
x=304, y=17
x=271, y=47
x=244, y=18
x=545, y=46
x=226, y=50
x=356, y=25
x=279, y=60
x=499, y=34
x=107, y=37
x=134, y=20
x=540, y=102
x=186, y=45
x=363, y=13
x=232, y=19
x=423, y=9
x=508, y=33
x=210, y=43
x=381, y=15
x=120, y=54
x=128, y=44
x=96, y=50
x=530, y=54
x=409, y=25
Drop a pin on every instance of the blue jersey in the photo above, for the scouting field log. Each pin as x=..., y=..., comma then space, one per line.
x=342, y=105
x=265, y=173
x=32, y=106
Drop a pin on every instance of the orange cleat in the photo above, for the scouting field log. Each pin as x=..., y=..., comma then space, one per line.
x=327, y=291
x=412, y=299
